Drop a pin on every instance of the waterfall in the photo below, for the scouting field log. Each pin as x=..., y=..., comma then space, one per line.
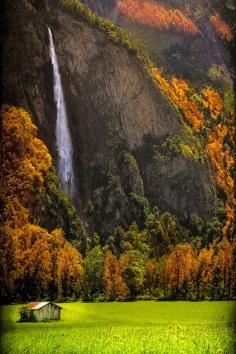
x=63, y=137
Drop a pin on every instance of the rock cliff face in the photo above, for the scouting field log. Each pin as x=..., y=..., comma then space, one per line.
x=115, y=113
x=26, y=70
x=103, y=8
x=175, y=50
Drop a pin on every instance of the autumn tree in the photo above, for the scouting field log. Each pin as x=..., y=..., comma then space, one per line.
x=224, y=262
x=180, y=269
x=7, y=264
x=113, y=271
x=68, y=270
x=35, y=263
x=25, y=160
x=223, y=164
x=205, y=272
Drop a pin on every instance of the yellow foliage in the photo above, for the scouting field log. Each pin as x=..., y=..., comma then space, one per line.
x=212, y=101
x=180, y=266
x=180, y=93
x=113, y=270
x=30, y=254
x=40, y=258
x=205, y=265
x=223, y=164
x=25, y=160
x=67, y=266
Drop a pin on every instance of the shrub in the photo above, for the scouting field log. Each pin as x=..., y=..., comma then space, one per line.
x=25, y=314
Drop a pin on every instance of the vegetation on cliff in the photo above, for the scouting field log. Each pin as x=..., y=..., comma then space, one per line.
x=156, y=15
x=31, y=257
x=205, y=114
x=112, y=31
x=152, y=253
x=139, y=260
x=221, y=28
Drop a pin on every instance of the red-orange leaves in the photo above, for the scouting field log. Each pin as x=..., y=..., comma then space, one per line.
x=221, y=28
x=180, y=93
x=212, y=101
x=223, y=164
x=180, y=267
x=154, y=15
x=114, y=283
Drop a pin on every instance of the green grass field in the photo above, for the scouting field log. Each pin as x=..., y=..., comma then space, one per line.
x=131, y=327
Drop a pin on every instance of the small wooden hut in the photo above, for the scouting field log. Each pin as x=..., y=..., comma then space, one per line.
x=41, y=311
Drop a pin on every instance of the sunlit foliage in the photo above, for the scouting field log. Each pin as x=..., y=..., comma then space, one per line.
x=192, y=105
x=204, y=271
x=113, y=280
x=223, y=163
x=212, y=101
x=34, y=263
x=24, y=160
x=221, y=28
x=180, y=93
x=155, y=15
x=180, y=268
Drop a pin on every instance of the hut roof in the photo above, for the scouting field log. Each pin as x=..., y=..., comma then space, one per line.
x=39, y=304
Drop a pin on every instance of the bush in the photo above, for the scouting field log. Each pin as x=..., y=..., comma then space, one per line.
x=25, y=314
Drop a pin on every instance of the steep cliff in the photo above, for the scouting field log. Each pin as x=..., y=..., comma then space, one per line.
x=174, y=49
x=103, y=8
x=117, y=117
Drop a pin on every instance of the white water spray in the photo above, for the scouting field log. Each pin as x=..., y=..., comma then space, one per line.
x=64, y=144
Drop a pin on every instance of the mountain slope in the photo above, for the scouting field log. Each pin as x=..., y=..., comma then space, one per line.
x=179, y=34
x=117, y=117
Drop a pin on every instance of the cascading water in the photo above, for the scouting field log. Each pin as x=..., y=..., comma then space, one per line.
x=64, y=144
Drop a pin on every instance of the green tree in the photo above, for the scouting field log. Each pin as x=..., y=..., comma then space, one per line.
x=93, y=281
x=134, y=273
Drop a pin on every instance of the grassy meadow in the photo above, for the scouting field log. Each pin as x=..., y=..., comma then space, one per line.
x=130, y=327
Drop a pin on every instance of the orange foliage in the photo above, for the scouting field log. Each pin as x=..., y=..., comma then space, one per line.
x=151, y=274
x=221, y=28
x=223, y=164
x=114, y=283
x=31, y=259
x=24, y=160
x=67, y=266
x=180, y=93
x=212, y=101
x=41, y=260
x=225, y=264
x=232, y=128
x=149, y=13
x=205, y=265
x=180, y=267
x=220, y=154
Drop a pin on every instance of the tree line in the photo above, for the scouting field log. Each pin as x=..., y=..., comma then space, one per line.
x=186, y=273
x=159, y=259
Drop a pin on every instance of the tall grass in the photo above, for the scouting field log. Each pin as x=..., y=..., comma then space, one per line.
x=138, y=327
